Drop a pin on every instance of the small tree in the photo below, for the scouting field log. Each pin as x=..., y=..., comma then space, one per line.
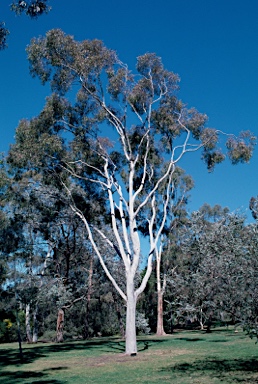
x=121, y=141
x=217, y=266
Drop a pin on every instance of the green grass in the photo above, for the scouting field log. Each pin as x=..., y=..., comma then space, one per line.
x=222, y=356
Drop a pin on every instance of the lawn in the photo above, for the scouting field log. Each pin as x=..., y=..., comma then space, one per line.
x=221, y=356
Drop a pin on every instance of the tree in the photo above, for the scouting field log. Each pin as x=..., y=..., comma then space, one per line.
x=253, y=206
x=32, y=8
x=121, y=142
x=182, y=183
x=57, y=249
x=218, y=267
x=4, y=32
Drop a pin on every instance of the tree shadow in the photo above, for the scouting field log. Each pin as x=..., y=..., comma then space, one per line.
x=142, y=345
x=219, y=341
x=235, y=370
x=10, y=357
x=18, y=377
x=190, y=338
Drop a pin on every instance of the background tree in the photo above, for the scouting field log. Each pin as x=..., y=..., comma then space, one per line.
x=121, y=141
x=215, y=273
x=253, y=206
x=55, y=261
x=182, y=183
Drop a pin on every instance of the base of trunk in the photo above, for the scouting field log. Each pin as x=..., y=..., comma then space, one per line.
x=161, y=333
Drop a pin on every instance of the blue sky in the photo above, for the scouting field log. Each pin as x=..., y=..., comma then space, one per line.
x=212, y=45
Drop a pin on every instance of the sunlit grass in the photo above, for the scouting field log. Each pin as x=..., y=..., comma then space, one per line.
x=222, y=356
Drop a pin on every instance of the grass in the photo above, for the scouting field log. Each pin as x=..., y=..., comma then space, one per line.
x=221, y=356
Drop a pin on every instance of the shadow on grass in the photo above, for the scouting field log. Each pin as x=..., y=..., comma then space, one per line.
x=235, y=370
x=142, y=345
x=30, y=354
x=18, y=377
x=190, y=338
x=10, y=357
x=219, y=341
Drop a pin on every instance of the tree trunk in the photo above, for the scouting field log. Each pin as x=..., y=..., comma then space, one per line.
x=160, y=323
x=19, y=336
x=35, y=325
x=60, y=326
x=86, y=334
x=27, y=323
x=160, y=291
x=130, y=341
x=201, y=320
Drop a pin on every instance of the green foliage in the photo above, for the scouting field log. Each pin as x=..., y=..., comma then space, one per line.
x=32, y=8
x=4, y=32
x=142, y=324
x=238, y=150
x=8, y=331
x=215, y=277
x=253, y=206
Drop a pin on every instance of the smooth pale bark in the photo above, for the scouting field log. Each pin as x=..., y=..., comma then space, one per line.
x=27, y=323
x=35, y=325
x=130, y=341
x=201, y=321
x=202, y=326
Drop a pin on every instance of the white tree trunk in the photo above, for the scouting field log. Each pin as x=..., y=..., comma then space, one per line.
x=35, y=325
x=27, y=323
x=130, y=343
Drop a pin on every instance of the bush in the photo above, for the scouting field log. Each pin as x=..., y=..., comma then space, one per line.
x=142, y=324
x=48, y=335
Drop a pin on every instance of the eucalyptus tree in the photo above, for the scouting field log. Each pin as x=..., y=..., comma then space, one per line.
x=216, y=265
x=32, y=8
x=121, y=141
x=253, y=206
x=58, y=254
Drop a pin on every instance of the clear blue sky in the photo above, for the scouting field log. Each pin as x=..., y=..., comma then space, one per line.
x=212, y=45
